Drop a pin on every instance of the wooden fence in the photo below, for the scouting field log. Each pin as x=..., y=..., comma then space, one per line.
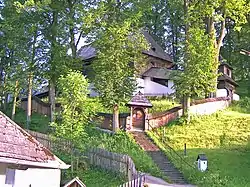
x=38, y=106
x=49, y=142
x=118, y=163
x=115, y=162
x=42, y=138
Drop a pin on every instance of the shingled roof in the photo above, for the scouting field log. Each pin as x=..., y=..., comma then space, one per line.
x=20, y=148
x=88, y=52
x=140, y=100
x=155, y=49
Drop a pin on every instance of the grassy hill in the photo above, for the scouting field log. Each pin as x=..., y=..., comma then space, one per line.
x=223, y=137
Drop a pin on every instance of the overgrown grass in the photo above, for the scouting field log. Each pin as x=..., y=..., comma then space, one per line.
x=39, y=123
x=91, y=176
x=162, y=105
x=118, y=143
x=123, y=143
x=159, y=105
x=223, y=137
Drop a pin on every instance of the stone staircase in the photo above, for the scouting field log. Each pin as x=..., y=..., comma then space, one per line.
x=160, y=159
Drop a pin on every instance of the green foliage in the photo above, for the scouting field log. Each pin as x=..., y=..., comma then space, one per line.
x=119, y=43
x=76, y=108
x=121, y=142
x=223, y=137
x=233, y=43
x=199, y=70
x=242, y=106
x=162, y=105
x=39, y=123
x=94, y=177
x=91, y=176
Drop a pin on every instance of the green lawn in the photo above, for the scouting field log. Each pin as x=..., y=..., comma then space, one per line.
x=162, y=105
x=93, y=177
x=223, y=137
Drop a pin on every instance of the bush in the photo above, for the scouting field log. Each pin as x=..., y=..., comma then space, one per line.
x=243, y=105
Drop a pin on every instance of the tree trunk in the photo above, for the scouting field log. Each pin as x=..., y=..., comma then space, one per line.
x=5, y=95
x=115, y=118
x=2, y=90
x=52, y=81
x=5, y=102
x=30, y=81
x=52, y=95
x=186, y=107
x=186, y=98
x=14, y=101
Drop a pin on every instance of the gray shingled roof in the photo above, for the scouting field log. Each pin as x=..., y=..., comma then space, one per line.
x=155, y=50
x=201, y=157
x=160, y=73
x=88, y=52
x=140, y=100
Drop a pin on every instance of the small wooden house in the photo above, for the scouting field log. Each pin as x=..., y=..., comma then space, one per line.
x=76, y=182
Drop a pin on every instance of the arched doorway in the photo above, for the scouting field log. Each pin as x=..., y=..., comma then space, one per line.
x=138, y=120
x=139, y=105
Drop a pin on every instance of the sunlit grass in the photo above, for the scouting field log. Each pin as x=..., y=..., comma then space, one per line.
x=223, y=137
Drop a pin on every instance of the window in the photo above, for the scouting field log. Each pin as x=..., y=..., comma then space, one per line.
x=228, y=72
x=163, y=82
x=10, y=177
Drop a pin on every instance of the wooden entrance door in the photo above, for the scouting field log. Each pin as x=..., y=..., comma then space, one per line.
x=138, y=118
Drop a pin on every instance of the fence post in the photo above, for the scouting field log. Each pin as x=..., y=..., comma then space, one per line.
x=185, y=149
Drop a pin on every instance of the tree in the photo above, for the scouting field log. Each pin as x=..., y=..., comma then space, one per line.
x=234, y=42
x=166, y=23
x=197, y=76
x=119, y=43
x=22, y=47
x=76, y=112
x=214, y=15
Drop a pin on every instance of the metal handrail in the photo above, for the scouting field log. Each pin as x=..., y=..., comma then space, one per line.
x=166, y=145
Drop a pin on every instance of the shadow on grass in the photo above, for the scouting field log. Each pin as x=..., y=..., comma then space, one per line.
x=228, y=166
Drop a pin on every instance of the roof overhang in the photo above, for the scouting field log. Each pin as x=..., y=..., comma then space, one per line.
x=30, y=164
x=140, y=104
x=228, y=79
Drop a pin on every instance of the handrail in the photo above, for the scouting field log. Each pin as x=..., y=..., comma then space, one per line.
x=166, y=145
